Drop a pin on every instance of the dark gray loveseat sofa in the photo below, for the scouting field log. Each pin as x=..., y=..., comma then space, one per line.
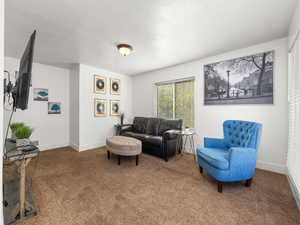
x=158, y=136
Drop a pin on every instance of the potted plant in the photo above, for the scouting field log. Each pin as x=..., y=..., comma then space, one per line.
x=23, y=134
x=14, y=127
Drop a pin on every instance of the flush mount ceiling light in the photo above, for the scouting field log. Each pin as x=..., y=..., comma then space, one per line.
x=124, y=49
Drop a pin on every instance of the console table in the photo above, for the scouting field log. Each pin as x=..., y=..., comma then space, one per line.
x=25, y=206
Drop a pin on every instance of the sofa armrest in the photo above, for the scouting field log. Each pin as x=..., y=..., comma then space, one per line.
x=214, y=143
x=170, y=134
x=242, y=157
x=125, y=127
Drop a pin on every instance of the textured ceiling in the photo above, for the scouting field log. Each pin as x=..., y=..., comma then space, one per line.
x=162, y=32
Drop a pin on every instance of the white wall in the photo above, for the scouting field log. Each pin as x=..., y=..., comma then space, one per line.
x=1, y=102
x=51, y=130
x=295, y=24
x=209, y=119
x=94, y=130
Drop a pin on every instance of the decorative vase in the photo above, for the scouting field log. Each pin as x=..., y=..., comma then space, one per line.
x=13, y=136
x=122, y=118
x=22, y=142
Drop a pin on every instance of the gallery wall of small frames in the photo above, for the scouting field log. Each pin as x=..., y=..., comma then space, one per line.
x=101, y=86
x=42, y=94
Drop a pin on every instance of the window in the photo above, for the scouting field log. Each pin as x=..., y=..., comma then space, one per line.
x=175, y=100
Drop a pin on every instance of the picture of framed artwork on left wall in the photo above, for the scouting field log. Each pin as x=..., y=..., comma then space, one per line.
x=100, y=107
x=40, y=94
x=54, y=108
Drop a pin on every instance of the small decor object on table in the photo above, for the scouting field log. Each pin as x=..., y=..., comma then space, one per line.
x=99, y=84
x=124, y=146
x=114, y=107
x=100, y=108
x=115, y=86
x=23, y=134
x=122, y=118
x=40, y=94
x=183, y=137
x=54, y=108
x=13, y=128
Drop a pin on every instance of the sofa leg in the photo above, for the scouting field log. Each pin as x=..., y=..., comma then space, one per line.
x=137, y=160
x=248, y=182
x=220, y=186
x=201, y=169
x=119, y=160
x=108, y=155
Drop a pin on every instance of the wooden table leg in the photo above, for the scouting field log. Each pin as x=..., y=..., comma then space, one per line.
x=22, y=188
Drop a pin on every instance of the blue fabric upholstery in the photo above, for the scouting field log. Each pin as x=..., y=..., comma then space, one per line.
x=218, y=158
x=232, y=158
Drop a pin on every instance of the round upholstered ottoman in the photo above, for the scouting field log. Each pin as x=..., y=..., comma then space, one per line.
x=123, y=146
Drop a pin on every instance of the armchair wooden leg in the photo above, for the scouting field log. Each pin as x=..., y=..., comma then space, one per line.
x=201, y=169
x=220, y=186
x=248, y=182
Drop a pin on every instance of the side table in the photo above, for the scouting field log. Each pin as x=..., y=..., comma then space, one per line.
x=183, y=137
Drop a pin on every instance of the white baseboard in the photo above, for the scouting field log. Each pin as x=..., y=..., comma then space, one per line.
x=74, y=146
x=274, y=167
x=295, y=190
x=86, y=147
x=49, y=147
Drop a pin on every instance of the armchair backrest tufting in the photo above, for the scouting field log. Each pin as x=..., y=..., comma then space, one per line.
x=239, y=133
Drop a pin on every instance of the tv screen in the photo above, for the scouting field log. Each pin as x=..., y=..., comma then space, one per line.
x=23, y=82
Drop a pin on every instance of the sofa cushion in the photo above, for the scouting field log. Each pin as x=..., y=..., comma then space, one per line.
x=169, y=125
x=139, y=124
x=138, y=136
x=217, y=158
x=152, y=126
x=153, y=140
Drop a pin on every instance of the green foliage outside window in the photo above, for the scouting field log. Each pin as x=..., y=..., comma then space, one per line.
x=176, y=101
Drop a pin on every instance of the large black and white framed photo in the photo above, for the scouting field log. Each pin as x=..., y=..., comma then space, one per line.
x=244, y=80
x=115, y=86
x=115, y=107
x=99, y=84
x=100, y=107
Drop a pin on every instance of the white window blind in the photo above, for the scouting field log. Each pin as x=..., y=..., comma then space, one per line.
x=293, y=162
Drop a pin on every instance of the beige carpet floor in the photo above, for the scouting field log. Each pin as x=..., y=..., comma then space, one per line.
x=72, y=188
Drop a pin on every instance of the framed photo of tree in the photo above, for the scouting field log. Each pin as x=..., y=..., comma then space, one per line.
x=99, y=84
x=54, y=108
x=100, y=107
x=115, y=86
x=244, y=80
x=115, y=108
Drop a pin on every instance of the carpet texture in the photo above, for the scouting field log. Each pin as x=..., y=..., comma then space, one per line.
x=72, y=188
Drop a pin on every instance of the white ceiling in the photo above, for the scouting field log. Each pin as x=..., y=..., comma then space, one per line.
x=162, y=32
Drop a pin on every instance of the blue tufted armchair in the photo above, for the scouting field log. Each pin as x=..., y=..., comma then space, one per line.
x=232, y=158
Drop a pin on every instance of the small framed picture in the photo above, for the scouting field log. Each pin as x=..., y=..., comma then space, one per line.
x=99, y=84
x=115, y=107
x=115, y=86
x=54, y=108
x=40, y=94
x=100, y=107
